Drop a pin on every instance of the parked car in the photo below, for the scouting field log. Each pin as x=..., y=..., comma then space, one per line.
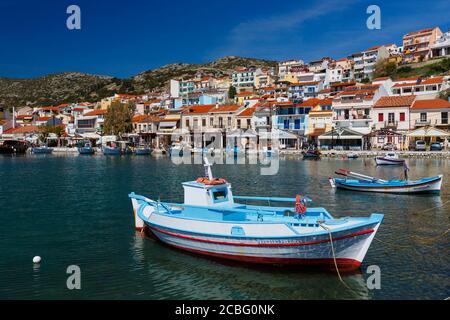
x=420, y=145
x=389, y=147
x=436, y=146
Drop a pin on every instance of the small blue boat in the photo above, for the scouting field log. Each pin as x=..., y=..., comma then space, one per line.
x=359, y=182
x=111, y=151
x=86, y=149
x=42, y=150
x=211, y=223
x=142, y=151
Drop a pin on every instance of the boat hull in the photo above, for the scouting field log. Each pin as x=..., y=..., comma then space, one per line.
x=350, y=245
x=112, y=151
x=86, y=150
x=41, y=150
x=142, y=152
x=428, y=185
x=382, y=161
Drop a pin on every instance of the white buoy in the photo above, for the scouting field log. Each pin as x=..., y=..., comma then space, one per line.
x=36, y=259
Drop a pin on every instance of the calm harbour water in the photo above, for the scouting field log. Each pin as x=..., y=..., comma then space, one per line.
x=74, y=210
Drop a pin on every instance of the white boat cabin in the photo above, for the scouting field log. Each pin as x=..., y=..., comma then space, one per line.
x=212, y=195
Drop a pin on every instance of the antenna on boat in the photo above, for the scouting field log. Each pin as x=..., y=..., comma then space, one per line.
x=208, y=171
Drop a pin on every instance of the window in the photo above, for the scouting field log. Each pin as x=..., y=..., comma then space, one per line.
x=220, y=195
x=238, y=123
x=211, y=122
x=380, y=117
x=229, y=121
x=444, y=117
x=402, y=116
x=391, y=117
x=203, y=122
x=248, y=123
x=423, y=117
x=187, y=123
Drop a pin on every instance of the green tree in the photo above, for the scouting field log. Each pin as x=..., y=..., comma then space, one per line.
x=232, y=92
x=119, y=118
x=365, y=80
x=45, y=131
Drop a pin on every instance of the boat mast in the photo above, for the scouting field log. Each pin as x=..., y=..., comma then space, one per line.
x=208, y=171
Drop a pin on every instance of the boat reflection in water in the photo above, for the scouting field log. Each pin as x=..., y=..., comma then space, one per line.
x=192, y=277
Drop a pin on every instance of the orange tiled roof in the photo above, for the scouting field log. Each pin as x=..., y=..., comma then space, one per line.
x=43, y=118
x=247, y=112
x=199, y=109
x=23, y=129
x=225, y=108
x=388, y=102
x=96, y=112
x=381, y=79
x=315, y=101
x=431, y=104
x=419, y=32
x=244, y=94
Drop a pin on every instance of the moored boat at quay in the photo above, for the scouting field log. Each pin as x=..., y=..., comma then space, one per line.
x=211, y=223
x=389, y=159
x=42, y=150
x=359, y=182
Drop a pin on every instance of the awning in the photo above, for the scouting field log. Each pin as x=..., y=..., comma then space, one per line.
x=428, y=132
x=239, y=133
x=90, y=135
x=277, y=134
x=344, y=134
x=167, y=124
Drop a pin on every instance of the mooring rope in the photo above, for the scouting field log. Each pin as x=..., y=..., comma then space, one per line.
x=334, y=257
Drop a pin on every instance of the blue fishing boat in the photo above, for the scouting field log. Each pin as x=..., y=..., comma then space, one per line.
x=42, y=150
x=359, y=182
x=142, y=151
x=311, y=154
x=111, y=151
x=86, y=149
x=209, y=222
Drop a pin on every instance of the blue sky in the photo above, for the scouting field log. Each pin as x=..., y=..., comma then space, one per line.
x=122, y=38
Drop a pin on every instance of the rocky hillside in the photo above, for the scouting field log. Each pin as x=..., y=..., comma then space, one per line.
x=73, y=86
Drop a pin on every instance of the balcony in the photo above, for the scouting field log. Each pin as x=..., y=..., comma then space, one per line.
x=423, y=122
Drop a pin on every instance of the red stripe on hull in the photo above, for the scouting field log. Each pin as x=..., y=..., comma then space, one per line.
x=240, y=244
x=344, y=264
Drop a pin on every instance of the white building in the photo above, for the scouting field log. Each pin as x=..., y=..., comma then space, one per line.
x=442, y=46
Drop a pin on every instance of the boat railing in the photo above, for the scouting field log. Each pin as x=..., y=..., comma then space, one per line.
x=270, y=199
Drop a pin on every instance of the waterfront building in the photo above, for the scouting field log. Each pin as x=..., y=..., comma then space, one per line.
x=417, y=45
x=393, y=113
x=320, y=117
x=422, y=88
x=243, y=119
x=352, y=107
x=291, y=117
x=441, y=48
x=433, y=112
x=391, y=117
x=90, y=122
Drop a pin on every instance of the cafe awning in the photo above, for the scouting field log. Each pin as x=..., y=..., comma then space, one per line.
x=428, y=132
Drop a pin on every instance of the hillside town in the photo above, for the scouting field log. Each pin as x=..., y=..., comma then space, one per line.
x=332, y=104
